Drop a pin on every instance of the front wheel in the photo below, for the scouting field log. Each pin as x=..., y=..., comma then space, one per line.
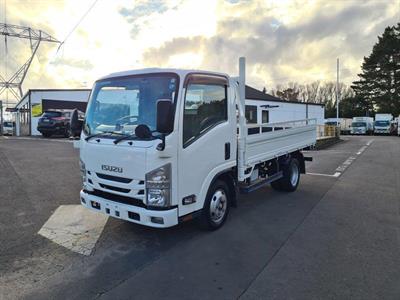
x=216, y=207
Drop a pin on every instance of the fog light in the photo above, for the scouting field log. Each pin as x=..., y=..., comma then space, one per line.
x=83, y=200
x=95, y=205
x=157, y=220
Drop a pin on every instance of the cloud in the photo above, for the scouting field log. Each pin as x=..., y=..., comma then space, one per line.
x=281, y=49
x=83, y=64
x=282, y=40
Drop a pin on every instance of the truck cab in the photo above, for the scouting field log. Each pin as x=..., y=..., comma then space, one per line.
x=162, y=146
x=8, y=127
x=383, y=123
x=362, y=126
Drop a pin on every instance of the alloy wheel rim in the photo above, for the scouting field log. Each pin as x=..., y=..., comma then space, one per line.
x=294, y=174
x=218, y=206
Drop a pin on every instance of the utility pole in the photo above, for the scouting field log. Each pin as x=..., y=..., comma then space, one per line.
x=1, y=117
x=337, y=92
x=14, y=83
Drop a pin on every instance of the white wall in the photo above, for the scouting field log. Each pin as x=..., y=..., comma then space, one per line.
x=288, y=111
x=67, y=95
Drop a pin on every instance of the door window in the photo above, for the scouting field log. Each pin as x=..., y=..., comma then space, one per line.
x=265, y=116
x=251, y=114
x=205, y=107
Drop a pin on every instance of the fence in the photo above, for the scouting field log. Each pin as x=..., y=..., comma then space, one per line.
x=327, y=131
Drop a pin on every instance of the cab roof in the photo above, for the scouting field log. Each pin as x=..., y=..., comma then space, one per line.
x=180, y=72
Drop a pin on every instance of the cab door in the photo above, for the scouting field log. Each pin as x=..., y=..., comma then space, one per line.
x=207, y=137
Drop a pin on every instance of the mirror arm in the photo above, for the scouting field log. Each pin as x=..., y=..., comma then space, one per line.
x=161, y=146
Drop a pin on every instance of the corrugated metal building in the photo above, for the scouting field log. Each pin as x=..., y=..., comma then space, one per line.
x=35, y=102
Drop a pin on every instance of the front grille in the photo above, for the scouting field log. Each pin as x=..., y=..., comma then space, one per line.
x=117, y=198
x=114, y=178
x=114, y=188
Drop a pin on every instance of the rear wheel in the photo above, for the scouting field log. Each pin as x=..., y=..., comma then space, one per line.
x=216, y=207
x=46, y=134
x=67, y=132
x=290, y=179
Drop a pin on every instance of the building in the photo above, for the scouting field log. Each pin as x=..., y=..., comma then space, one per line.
x=265, y=108
x=260, y=107
x=35, y=102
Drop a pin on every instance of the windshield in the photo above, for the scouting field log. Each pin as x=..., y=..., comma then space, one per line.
x=51, y=114
x=331, y=123
x=382, y=123
x=8, y=124
x=121, y=104
x=358, y=124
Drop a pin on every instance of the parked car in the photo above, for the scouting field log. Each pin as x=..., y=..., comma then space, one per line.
x=8, y=128
x=56, y=122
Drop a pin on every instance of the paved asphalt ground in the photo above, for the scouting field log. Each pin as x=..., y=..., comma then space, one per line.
x=336, y=237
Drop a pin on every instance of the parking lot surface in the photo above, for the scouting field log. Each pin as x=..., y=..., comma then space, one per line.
x=336, y=237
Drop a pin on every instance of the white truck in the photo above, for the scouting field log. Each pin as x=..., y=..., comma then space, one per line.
x=383, y=123
x=8, y=128
x=343, y=123
x=362, y=125
x=163, y=146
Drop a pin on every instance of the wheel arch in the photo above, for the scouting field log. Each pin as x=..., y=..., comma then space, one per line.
x=228, y=176
x=299, y=156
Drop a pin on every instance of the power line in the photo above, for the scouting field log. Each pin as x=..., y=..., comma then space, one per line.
x=77, y=24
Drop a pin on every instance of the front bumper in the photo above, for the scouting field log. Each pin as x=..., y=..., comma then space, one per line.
x=8, y=131
x=130, y=213
x=381, y=131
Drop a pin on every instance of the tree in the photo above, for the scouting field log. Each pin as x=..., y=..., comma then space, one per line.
x=379, y=83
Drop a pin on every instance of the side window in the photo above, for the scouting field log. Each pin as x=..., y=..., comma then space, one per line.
x=251, y=114
x=205, y=106
x=265, y=116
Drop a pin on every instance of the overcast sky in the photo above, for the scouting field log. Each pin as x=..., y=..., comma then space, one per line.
x=282, y=40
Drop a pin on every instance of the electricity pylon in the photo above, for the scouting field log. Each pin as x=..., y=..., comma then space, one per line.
x=14, y=84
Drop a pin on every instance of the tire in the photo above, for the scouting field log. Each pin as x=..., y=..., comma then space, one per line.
x=67, y=132
x=216, y=206
x=46, y=134
x=290, y=179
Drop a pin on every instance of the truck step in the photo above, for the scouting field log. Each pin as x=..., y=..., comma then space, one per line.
x=251, y=188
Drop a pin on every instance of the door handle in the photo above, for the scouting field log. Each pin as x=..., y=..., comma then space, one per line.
x=227, y=151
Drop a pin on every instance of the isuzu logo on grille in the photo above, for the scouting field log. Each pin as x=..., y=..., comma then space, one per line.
x=111, y=168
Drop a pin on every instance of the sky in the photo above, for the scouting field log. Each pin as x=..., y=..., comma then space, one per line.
x=283, y=41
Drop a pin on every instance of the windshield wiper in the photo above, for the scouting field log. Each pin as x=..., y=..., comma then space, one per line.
x=104, y=133
x=125, y=137
x=134, y=136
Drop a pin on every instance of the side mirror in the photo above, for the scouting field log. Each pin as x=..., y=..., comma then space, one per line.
x=165, y=120
x=164, y=116
x=75, y=124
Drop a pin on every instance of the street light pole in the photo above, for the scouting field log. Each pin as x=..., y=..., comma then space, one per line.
x=337, y=92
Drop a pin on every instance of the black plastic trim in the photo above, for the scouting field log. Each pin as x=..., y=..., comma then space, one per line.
x=114, y=178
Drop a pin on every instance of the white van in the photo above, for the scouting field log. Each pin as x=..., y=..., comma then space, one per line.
x=8, y=128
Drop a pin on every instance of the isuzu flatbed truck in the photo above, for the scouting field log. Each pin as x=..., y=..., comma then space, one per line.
x=163, y=146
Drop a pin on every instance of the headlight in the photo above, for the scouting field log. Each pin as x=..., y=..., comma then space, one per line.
x=158, y=187
x=82, y=169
